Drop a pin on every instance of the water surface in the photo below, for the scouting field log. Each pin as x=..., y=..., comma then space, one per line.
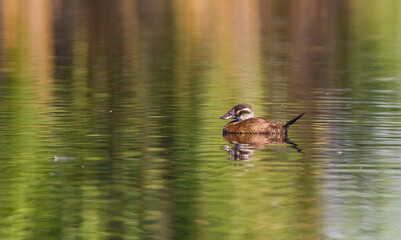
x=110, y=129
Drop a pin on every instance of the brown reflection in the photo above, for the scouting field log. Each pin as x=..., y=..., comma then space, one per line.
x=313, y=35
x=26, y=41
x=245, y=144
x=299, y=47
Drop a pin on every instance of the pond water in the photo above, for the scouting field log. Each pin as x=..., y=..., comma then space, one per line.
x=110, y=129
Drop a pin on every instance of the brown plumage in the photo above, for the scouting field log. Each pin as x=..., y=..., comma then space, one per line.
x=255, y=125
x=246, y=122
x=257, y=141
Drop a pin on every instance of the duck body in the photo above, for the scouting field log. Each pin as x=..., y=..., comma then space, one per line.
x=246, y=123
x=256, y=125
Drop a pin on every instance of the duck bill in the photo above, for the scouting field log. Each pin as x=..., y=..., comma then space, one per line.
x=229, y=115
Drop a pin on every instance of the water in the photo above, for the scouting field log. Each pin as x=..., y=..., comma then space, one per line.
x=110, y=129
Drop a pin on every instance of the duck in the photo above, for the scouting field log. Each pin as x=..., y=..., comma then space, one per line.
x=246, y=123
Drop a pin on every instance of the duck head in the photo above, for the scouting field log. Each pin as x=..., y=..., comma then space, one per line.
x=239, y=112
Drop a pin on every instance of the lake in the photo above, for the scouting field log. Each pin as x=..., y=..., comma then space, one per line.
x=110, y=119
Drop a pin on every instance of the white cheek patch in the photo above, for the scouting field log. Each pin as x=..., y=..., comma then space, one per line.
x=243, y=110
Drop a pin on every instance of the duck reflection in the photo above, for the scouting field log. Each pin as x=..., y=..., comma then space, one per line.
x=246, y=144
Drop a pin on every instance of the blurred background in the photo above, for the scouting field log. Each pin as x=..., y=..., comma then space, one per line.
x=110, y=129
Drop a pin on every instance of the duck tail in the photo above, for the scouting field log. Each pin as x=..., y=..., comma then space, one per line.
x=294, y=120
